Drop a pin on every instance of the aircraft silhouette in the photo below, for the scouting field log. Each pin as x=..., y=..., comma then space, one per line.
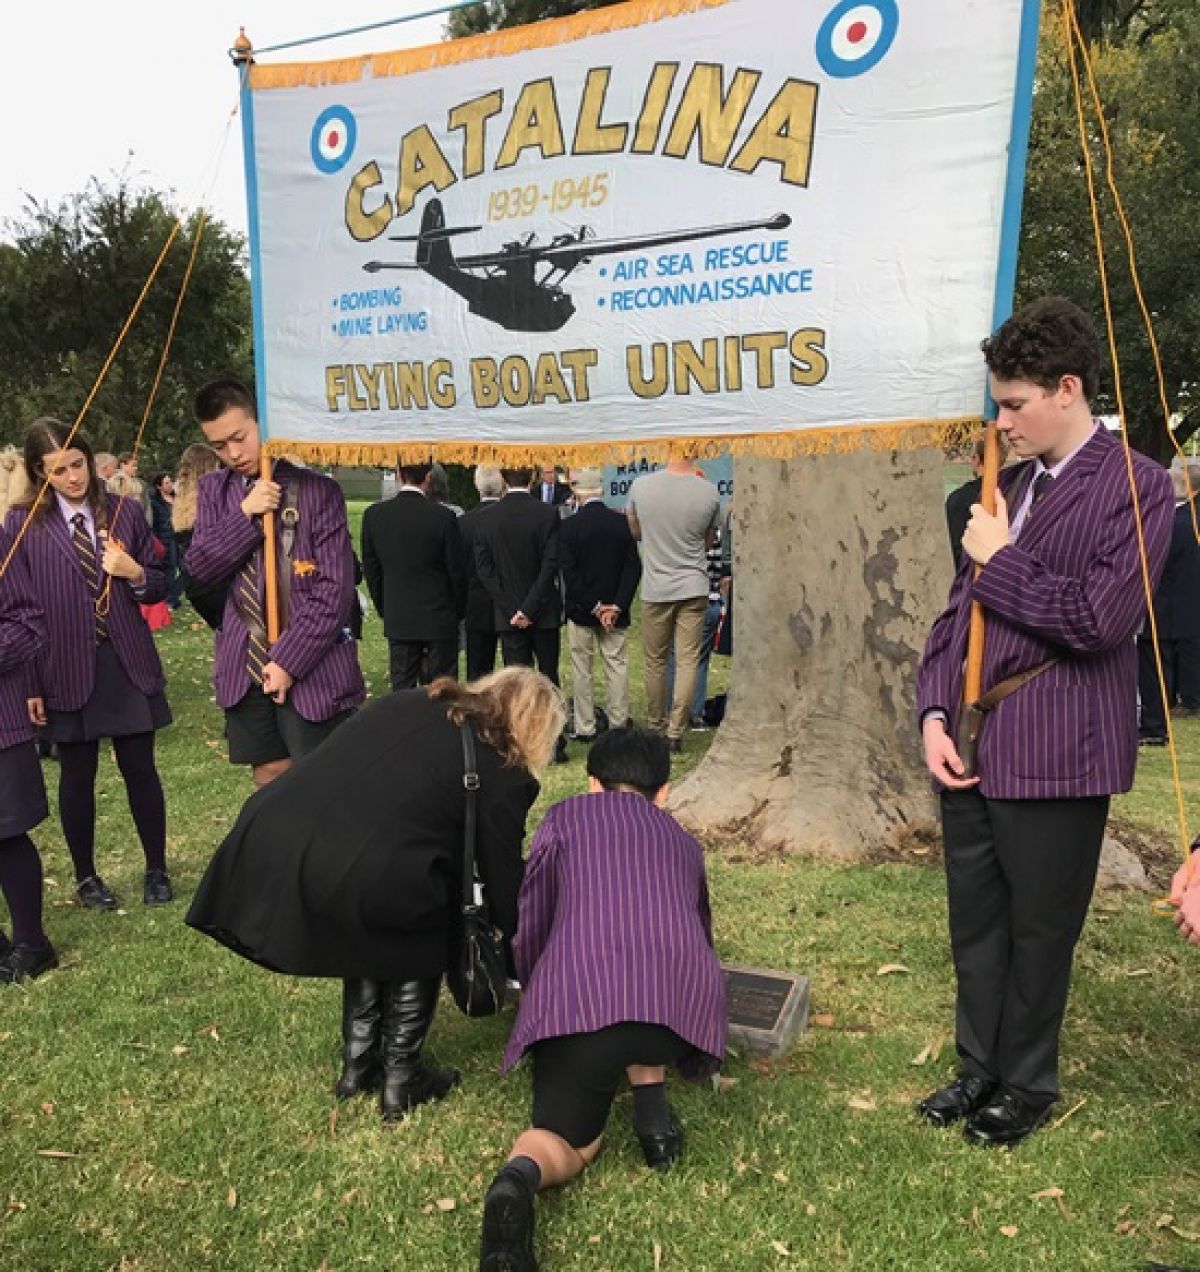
x=520, y=286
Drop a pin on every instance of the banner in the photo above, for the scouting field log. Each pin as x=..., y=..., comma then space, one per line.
x=725, y=221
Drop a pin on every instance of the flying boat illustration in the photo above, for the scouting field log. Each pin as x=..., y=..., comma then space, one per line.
x=519, y=286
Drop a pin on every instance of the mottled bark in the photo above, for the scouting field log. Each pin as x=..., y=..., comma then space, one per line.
x=841, y=563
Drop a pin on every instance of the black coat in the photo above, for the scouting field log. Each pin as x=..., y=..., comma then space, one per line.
x=516, y=557
x=958, y=513
x=600, y=563
x=1177, y=600
x=562, y=493
x=349, y=864
x=480, y=615
x=413, y=565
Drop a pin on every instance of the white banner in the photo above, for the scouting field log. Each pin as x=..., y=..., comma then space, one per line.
x=750, y=217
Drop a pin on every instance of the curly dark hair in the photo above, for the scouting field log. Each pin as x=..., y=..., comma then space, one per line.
x=1044, y=341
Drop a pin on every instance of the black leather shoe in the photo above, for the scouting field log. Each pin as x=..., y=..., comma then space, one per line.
x=95, y=894
x=362, y=1013
x=1005, y=1120
x=508, y=1220
x=158, y=890
x=408, y=1008
x=966, y=1094
x=662, y=1149
x=27, y=962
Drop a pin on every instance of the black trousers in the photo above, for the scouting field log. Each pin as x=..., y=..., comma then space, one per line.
x=532, y=647
x=1181, y=671
x=421, y=662
x=481, y=653
x=1019, y=874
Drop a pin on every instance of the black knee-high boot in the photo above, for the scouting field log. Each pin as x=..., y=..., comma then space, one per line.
x=408, y=1008
x=362, y=1012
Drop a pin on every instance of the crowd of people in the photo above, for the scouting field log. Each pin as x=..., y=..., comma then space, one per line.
x=347, y=861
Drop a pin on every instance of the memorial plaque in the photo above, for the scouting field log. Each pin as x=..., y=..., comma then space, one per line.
x=767, y=1009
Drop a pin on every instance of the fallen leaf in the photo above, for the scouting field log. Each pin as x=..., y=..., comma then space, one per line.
x=4, y=1037
x=231, y=1197
x=445, y=1204
x=1056, y=1195
x=48, y=1108
x=1009, y=1229
x=810, y=1209
x=1046, y=1192
x=179, y=1051
x=780, y=1177
x=822, y=1020
x=936, y=1054
x=1125, y=1228
x=890, y=969
x=333, y=1121
x=976, y=1219
x=593, y=1240
x=1164, y=1221
x=349, y=1198
x=15, y=1205
x=657, y=1257
x=1138, y=971
x=862, y=1105
x=1182, y=1234
x=722, y=1083
x=781, y=1249
x=922, y=1056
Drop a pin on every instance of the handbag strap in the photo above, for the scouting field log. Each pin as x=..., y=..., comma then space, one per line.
x=996, y=695
x=471, y=786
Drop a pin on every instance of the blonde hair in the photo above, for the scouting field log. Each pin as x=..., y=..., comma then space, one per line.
x=517, y=711
x=197, y=460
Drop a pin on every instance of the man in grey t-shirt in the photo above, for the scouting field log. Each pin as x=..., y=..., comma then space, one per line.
x=675, y=513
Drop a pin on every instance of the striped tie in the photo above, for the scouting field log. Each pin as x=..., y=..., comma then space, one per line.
x=91, y=569
x=251, y=610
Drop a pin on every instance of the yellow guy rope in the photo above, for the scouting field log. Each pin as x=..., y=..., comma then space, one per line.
x=1076, y=51
x=102, y=601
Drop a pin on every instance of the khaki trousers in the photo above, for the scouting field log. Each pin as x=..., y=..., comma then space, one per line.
x=582, y=642
x=664, y=623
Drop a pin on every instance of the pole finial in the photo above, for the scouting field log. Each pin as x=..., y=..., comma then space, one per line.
x=242, y=52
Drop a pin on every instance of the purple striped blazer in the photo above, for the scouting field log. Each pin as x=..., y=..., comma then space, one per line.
x=1070, y=587
x=22, y=632
x=64, y=672
x=315, y=647
x=614, y=925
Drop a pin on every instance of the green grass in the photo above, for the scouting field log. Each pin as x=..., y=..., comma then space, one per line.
x=191, y=1090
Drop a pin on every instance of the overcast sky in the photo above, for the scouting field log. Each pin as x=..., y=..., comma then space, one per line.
x=95, y=89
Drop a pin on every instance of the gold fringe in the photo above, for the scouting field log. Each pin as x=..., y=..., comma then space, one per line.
x=537, y=35
x=904, y=435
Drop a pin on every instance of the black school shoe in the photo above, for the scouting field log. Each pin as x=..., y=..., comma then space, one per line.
x=157, y=890
x=26, y=963
x=1006, y=1120
x=95, y=894
x=508, y=1220
x=662, y=1149
x=964, y=1096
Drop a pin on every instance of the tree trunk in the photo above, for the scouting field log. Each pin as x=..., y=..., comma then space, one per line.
x=841, y=563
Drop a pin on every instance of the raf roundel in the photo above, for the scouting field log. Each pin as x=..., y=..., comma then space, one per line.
x=856, y=36
x=333, y=138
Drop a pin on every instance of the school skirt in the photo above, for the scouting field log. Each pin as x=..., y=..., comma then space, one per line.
x=116, y=709
x=22, y=791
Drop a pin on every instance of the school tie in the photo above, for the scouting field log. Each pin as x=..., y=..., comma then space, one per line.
x=1041, y=486
x=86, y=551
x=250, y=607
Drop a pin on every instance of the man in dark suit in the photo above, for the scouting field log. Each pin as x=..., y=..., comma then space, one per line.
x=960, y=502
x=516, y=557
x=601, y=570
x=413, y=565
x=480, y=619
x=549, y=490
x=1061, y=586
x=1177, y=620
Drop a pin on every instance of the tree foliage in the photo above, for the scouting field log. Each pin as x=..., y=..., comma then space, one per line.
x=1145, y=71
x=490, y=15
x=70, y=274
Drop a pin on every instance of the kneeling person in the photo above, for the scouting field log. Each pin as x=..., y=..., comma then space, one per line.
x=614, y=898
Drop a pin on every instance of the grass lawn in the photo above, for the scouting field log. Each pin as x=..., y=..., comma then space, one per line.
x=164, y=1105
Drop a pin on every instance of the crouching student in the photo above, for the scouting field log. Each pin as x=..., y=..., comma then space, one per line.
x=614, y=950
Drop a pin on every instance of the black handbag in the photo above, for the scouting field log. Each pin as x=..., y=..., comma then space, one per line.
x=478, y=971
